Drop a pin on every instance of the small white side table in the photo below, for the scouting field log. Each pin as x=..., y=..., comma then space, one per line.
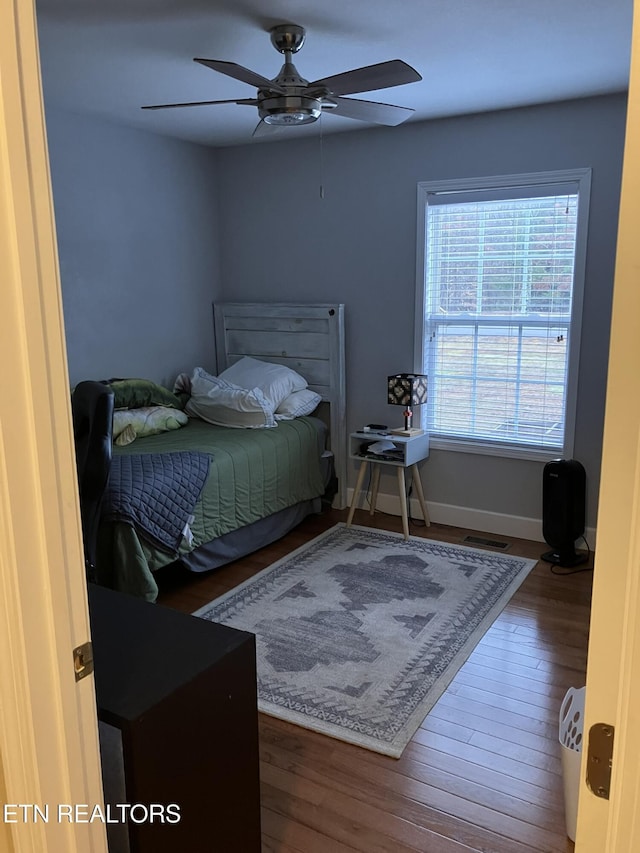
x=406, y=453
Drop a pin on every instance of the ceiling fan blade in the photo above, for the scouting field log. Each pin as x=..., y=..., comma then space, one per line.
x=239, y=72
x=383, y=75
x=249, y=101
x=263, y=129
x=372, y=111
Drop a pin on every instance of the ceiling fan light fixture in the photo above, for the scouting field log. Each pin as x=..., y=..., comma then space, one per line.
x=288, y=110
x=289, y=118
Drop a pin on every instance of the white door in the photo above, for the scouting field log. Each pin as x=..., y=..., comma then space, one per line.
x=48, y=734
x=613, y=693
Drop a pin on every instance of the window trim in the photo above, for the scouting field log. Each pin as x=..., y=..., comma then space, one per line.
x=509, y=182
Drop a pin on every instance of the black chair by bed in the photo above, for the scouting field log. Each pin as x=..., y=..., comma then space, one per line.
x=92, y=409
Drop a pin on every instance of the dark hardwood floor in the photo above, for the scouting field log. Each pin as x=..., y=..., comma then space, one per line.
x=482, y=773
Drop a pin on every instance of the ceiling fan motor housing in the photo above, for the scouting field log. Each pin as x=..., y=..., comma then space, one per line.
x=294, y=107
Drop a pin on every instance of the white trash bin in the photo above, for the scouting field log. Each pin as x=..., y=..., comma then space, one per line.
x=570, y=736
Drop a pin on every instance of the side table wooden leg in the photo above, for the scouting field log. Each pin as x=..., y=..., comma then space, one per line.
x=403, y=502
x=421, y=500
x=356, y=491
x=374, y=488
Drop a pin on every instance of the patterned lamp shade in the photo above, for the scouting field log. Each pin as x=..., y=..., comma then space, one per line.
x=407, y=389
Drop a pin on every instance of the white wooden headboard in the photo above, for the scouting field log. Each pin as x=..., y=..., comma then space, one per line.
x=307, y=338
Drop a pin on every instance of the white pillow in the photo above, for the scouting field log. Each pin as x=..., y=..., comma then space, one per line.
x=297, y=404
x=219, y=402
x=274, y=380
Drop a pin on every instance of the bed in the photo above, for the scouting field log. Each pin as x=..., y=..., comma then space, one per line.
x=256, y=484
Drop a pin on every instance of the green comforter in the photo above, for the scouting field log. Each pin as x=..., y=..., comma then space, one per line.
x=254, y=473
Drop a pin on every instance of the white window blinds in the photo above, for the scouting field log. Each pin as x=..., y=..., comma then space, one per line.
x=499, y=276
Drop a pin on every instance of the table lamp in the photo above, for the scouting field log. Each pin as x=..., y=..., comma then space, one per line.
x=407, y=389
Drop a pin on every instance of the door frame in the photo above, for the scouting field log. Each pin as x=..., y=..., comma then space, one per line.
x=613, y=689
x=49, y=749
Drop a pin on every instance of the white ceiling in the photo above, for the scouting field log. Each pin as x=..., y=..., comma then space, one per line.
x=109, y=57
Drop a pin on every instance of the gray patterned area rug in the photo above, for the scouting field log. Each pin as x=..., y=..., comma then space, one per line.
x=359, y=632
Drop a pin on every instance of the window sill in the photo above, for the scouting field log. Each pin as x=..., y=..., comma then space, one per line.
x=503, y=450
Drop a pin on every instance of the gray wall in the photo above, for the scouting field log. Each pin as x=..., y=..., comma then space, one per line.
x=281, y=241
x=136, y=219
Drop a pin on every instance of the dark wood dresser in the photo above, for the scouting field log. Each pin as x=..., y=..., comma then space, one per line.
x=177, y=707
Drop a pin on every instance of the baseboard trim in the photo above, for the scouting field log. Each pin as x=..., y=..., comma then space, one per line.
x=483, y=521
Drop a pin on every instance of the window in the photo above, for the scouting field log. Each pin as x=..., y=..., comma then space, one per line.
x=499, y=300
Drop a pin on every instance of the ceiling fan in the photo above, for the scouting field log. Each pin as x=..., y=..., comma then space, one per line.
x=290, y=100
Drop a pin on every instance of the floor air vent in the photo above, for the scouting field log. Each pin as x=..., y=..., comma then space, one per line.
x=489, y=543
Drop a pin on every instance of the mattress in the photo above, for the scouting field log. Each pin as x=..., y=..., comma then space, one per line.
x=254, y=474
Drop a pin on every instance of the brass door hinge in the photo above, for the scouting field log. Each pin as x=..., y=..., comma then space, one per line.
x=83, y=661
x=599, y=759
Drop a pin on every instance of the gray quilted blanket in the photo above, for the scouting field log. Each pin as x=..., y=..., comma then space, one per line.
x=156, y=493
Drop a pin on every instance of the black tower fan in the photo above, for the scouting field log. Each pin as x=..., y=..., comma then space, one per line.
x=563, y=510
